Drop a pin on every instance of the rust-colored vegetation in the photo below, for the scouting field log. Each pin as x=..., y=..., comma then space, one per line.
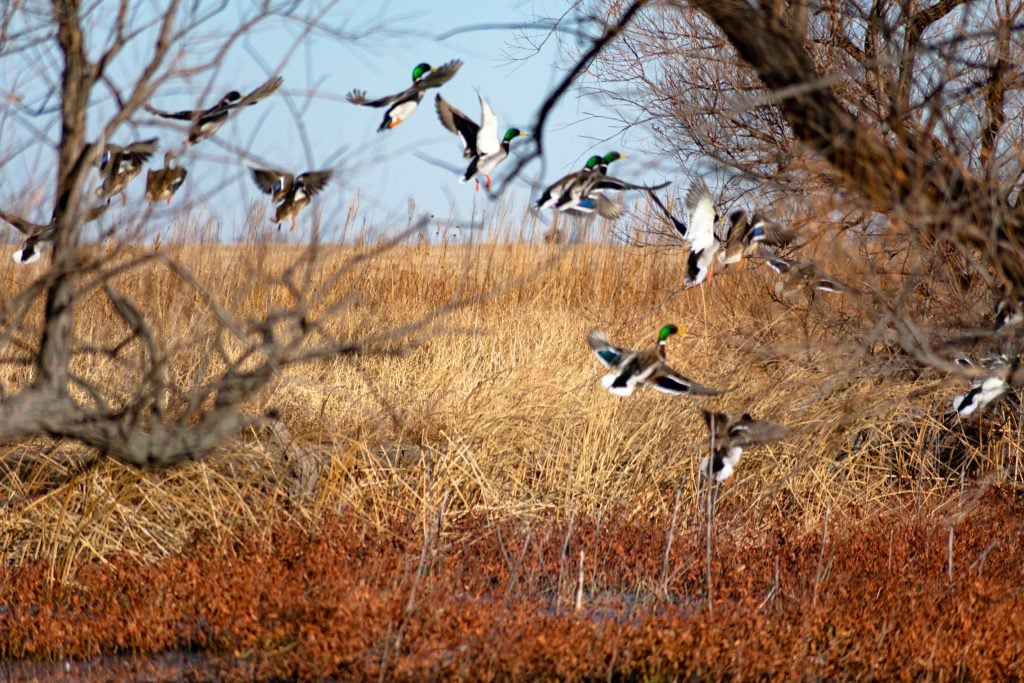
x=886, y=598
x=426, y=514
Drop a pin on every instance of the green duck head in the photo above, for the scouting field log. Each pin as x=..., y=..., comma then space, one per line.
x=613, y=156
x=513, y=133
x=666, y=332
x=421, y=70
x=592, y=162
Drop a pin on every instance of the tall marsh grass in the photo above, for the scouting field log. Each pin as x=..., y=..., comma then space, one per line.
x=493, y=403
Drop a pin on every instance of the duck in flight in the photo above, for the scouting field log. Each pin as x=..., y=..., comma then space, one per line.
x=400, y=106
x=479, y=140
x=206, y=122
x=291, y=193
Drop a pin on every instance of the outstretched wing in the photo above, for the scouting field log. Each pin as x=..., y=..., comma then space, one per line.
x=454, y=120
x=440, y=75
x=313, y=181
x=669, y=381
x=139, y=152
x=748, y=431
x=609, y=355
x=768, y=231
x=186, y=115
x=272, y=181
x=260, y=93
x=607, y=183
x=487, y=136
x=676, y=223
x=359, y=97
x=701, y=206
x=23, y=226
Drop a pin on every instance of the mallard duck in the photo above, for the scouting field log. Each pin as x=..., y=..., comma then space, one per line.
x=291, y=192
x=984, y=390
x=554, y=192
x=39, y=236
x=1009, y=313
x=479, y=140
x=704, y=233
x=118, y=165
x=746, y=231
x=801, y=275
x=206, y=122
x=598, y=191
x=732, y=434
x=631, y=369
x=401, y=105
x=162, y=183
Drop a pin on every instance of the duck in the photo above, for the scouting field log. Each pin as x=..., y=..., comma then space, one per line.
x=479, y=140
x=732, y=433
x=39, y=236
x=291, y=193
x=631, y=369
x=984, y=390
x=118, y=165
x=704, y=233
x=804, y=275
x=600, y=192
x=206, y=122
x=162, y=183
x=748, y=230
x=554, y=192
x=400, y=106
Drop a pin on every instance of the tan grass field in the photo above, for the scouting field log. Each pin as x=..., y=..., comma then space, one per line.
x=491, y=403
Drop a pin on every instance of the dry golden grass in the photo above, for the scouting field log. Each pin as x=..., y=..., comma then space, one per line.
x=494, y=405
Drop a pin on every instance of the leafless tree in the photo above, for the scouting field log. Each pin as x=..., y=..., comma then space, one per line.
x=139, y=412
x=889, y=130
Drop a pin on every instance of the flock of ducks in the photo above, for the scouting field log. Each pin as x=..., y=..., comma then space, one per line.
x=712, y=237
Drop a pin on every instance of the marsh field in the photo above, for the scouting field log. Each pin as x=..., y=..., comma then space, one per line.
x=459, y=498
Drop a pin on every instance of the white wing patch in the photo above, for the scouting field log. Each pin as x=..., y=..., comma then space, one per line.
x=701, y=232
x=487, y=137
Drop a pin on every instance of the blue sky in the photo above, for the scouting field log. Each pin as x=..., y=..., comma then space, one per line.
x=384, y=168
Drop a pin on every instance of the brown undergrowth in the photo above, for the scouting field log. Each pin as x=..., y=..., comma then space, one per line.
x=407, y=509
x=899, y=596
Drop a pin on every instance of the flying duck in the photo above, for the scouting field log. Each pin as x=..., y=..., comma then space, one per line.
x=292, y=193
x=206, y=122
x=554, y=192
x=401, y=105
x=631, y=369
x=801, y=275
x=747, y=230
x=162, y=183
x=38, y=236
x=704, y=233
x=479, y=140
x=733, y=433
x=118, y=165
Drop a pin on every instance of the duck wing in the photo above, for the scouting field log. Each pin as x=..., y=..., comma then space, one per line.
x=359, y=97
x=609, y=355
x=701, y=233
x=667, y=380
x=747, y=431
x=487, y=135
x=311, y=182
x=23, y=226
x=260, y=93
x=273, y=181
x=454, y=120
x=676, y=223
x=768, y=231
x=440, y=75
x=138, y=153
